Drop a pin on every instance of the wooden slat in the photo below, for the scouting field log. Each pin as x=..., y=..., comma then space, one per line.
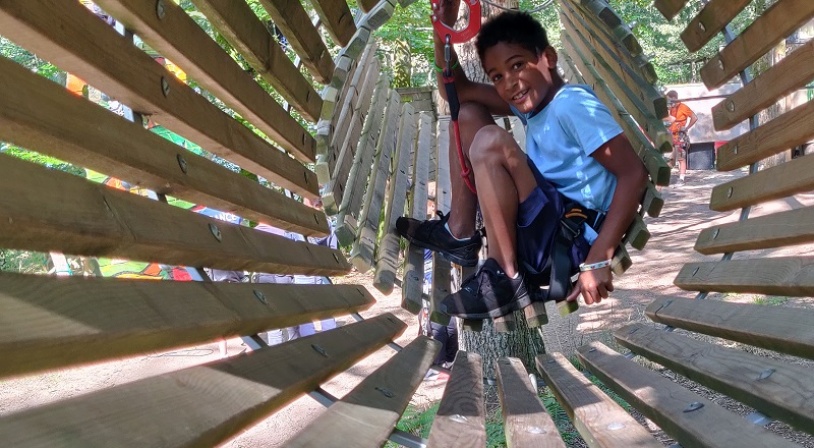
x=367, y=5
x=536, y=314
x=367, y=237
x=525, y=420
x=653, y=202
x=713, y=18
x=637, y=234
x=50, y=322
x=787, y=75
x=625, y=67
x=337, y=19
x=71, y=37
x=776, y=23
x=777, y=388
x=366, y=416
x=203, y=405
x=652, y=159
x=413, y=280
x=789, y=178
x=178, y=37
x=669, y=405
x=786, y=330
x=600, y=421
x=238, y=24
x=669, y=8
x=780, y=229
x=351, y=204
x=43, y=116
x=786, y=276
x=441, y=287
x=379, y=15
x=784, y=132
x=290, y=17
x=461, y=418
x=621, y=261
x=637, y=96
x=389, y=251
x=46, y=210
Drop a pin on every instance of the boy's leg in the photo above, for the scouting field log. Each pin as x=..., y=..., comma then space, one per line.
x=504, y=180
x=454, y=235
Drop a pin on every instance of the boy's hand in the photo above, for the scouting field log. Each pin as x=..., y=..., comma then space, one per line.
x=593, y=285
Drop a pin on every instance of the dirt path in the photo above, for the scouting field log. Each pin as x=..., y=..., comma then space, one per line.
x=684, y=215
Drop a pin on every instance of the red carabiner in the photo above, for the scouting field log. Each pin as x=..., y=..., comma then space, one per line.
x=458, y=36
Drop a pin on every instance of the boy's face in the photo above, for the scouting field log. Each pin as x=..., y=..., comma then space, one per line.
x=522, y=78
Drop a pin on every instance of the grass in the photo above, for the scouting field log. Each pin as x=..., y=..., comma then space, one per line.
x=770, y=300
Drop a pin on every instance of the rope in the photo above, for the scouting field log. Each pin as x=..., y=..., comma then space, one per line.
x=545, y=5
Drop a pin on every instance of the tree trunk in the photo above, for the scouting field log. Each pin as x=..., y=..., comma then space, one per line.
x=402, y=64
x=523, y=343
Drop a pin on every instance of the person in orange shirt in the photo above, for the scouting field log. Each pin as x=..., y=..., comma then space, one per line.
x=681, y=119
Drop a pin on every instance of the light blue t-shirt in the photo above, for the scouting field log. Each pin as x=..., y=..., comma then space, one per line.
x=560, y=140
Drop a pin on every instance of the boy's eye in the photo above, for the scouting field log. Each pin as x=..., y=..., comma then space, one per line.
x=517, y=65
x=497, y=78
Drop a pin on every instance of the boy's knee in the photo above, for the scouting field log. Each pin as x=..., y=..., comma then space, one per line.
x=491, y=142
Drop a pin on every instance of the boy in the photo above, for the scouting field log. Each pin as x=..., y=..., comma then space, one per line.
x=575, y=149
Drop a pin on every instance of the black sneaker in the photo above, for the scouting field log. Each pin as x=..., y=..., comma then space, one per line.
x=433, y=235
x=490, y=293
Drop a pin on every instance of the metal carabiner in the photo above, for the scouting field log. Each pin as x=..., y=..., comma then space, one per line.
x=458, y=36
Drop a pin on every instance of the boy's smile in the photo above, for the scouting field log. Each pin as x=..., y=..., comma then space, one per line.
x=522, y=78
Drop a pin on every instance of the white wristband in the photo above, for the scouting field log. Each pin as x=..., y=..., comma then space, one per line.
x=594, y=266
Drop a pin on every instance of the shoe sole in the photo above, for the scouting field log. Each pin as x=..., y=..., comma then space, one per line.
x=468, y=263
x=511, y=307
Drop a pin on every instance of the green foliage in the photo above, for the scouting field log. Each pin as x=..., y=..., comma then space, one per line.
x=770, y=300
x=23, y=262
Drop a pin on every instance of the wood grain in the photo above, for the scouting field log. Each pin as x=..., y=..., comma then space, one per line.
x=783, y=329
x=776, y=230
x=337, y=19
x=785, y=276
x=713, y=18
x=461, y=418
x=203, y=405
x=669, y=8
x=51, y=322
x=773, y=387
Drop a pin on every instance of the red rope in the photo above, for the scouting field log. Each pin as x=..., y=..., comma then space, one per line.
x=465, y=169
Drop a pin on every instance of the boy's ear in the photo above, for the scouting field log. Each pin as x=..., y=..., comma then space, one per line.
x=551, y=56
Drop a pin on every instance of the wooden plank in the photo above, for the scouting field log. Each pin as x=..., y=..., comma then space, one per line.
x=780, y=229
x=637, y=234
x=599, y=419
x=786, y=76
x=622, y=64
x=653, y=202
x=653, y=160
x=506, y=323
x=74, y=39
x=689, y=418
x=367, y=237
x=413, y=280
x=379, y=15
x=796, y=176
x=350, y=207
x=46, y=210
x=176, y=36
x=784, y=132
x=203, y=405
x=337, y=19
x=773, y=387
x=669, y=8
x=776, y=23
x=712, y=19
x=367, y=5
x=783, y=329
x=525, y=420
x=290, y=17
x=67, y=321
x=621, y=261
x=536, y=314
x=366, y=416
x=43, y=116
x=786, y=276
x=441, y=287
x=238, y=24
x=443, y=189
x=637, y=97
x=461, y=418
x=388, y=252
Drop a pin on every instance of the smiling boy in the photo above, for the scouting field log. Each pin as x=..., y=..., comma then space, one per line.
x=574, y=148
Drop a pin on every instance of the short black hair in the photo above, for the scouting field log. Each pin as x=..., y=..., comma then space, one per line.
x=512, y=27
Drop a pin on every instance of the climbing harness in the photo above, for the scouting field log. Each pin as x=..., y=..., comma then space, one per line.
x=452, y=36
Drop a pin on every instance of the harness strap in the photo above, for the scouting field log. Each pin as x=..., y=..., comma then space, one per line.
x=454, y=111
x=571, y=227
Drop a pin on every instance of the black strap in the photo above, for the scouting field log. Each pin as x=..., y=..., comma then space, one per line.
x=571, y=226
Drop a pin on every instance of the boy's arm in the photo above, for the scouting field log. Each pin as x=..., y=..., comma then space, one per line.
x=620, y=159
x=467, y=90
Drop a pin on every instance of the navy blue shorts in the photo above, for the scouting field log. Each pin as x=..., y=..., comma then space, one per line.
x=538, y=221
